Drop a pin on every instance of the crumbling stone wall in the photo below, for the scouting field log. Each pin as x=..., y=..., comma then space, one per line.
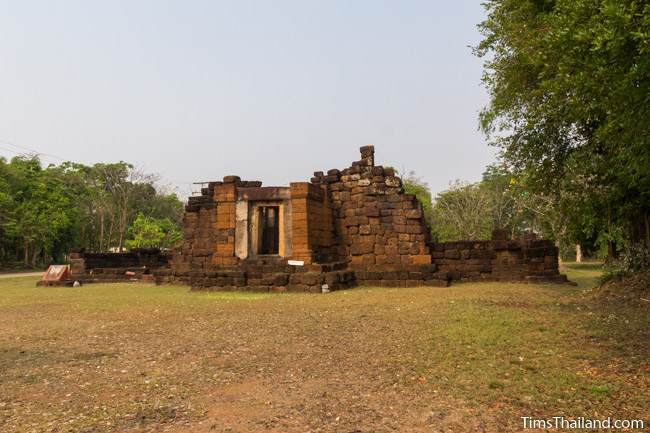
x=199, y=236
x=225, y=195
x=314, y=238
x=139, y=263
x=499, y=260
x=209, y=228
x=380, y=229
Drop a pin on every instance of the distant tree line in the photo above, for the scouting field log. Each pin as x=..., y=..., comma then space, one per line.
x=500, y=200
x=46, y=211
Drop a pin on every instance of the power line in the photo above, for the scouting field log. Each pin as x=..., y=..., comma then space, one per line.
x=15, y=153
x=188, y=184
x=6, y=149
x=31, y=150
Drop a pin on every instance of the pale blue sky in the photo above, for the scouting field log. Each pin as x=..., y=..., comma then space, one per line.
x=268, y=90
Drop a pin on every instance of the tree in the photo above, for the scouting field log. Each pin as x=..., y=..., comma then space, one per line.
x=151, y=232
x=462, y=212
x=569, y=84
x=420, y=189
x=41, y=213
x=6, y=209
x=499, y=201
x=46, y=211
x=506, y=200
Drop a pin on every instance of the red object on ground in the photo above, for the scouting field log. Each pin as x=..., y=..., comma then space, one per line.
x=55, y=273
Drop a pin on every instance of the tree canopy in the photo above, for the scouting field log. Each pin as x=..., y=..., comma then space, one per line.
x=569, y=85
x=146, y=231
x=46, y=211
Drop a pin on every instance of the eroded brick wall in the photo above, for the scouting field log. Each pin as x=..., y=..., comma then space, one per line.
x=225, y=196
x=380, y=230
x=499, y=260
x=208, y=230
x=106, y=267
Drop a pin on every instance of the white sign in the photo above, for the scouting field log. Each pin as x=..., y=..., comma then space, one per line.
x=296, y=262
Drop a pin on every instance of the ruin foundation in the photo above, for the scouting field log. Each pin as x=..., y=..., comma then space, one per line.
x=139, y=264
x=344, y=227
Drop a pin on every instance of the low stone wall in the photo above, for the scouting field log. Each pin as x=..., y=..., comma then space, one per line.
x=137, y=264
x=499, y=260
x=263, y=275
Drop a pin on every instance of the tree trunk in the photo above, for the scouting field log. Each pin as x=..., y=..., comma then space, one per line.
x=611, y=245
x=109, y=241
x=34, y=256
x=122, y=229
x=611, y=251
x=578, y=254
x=26, y=252
x=559, y=253
x=121, y=237
x=101, y=230
x=647, y=229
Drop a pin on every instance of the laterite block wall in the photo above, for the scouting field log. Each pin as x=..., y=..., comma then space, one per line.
x=499, y=260
x=380, y=230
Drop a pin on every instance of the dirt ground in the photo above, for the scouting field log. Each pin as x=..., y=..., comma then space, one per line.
x=471, y=357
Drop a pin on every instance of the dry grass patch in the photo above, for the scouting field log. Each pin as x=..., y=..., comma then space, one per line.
x=472, y=357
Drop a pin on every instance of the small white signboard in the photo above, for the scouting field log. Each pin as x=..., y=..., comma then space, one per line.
x=296, y=262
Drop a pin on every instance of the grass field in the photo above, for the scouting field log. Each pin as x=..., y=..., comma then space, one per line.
x=471, y=357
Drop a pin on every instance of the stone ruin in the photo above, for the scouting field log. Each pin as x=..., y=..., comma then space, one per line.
x=344, y=227
x=134, y=265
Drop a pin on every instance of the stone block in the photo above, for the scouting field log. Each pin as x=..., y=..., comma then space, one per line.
x=421, y=259
x=452, y=254
x=413, y=214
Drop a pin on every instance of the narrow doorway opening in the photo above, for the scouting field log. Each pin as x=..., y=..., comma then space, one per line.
x=269, y=229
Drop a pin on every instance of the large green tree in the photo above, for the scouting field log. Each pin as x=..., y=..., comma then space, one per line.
x=40, y=208
x=148, y=232
x=46, y=211
x=569, y=84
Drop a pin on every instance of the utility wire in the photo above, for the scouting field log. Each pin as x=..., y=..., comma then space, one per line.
x=31, y=150
x=6, y=149
x=188, y=187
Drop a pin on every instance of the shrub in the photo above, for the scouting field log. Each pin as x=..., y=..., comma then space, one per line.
x=635, y=258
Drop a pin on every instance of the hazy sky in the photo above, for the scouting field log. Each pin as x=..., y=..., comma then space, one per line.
x=268, y=90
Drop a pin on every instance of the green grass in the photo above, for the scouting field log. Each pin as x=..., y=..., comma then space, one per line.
x=474, y=356
x=21, y=270
x=586, y=275
x=23, y=291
